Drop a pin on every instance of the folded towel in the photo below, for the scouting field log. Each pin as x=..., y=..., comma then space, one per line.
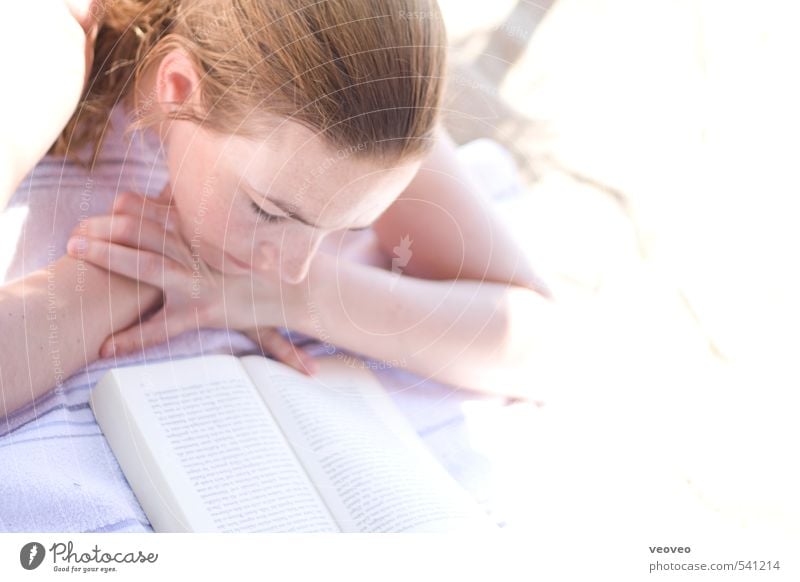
x=57, y=472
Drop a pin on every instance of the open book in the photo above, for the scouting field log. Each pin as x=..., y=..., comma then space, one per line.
x=225, y=444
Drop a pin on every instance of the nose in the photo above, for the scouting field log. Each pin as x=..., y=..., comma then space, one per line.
x=294, y=273
x=296, y=258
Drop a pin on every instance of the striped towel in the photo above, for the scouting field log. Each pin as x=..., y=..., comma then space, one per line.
x=57, y=472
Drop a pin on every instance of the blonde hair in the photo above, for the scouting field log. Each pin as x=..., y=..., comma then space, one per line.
x=365, y=75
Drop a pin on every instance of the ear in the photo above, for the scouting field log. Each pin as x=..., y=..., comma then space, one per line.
x=177, y=82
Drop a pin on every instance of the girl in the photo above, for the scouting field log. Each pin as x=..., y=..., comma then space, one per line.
x=286, y=126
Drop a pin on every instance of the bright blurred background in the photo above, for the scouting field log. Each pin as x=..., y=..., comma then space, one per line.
x=657, y=142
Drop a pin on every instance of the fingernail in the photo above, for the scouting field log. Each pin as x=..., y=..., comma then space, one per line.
x=108, y=350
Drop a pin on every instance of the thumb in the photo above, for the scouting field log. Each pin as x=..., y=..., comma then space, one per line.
x=154, y=331
x=165, y=196
x=273, y=343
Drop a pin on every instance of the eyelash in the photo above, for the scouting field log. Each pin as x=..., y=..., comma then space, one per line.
x=266, y=216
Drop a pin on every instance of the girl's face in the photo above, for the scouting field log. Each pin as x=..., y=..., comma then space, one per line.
x=248, y=205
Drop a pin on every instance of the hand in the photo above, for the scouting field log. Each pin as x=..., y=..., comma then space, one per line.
x=141, y=240
x=272, y=342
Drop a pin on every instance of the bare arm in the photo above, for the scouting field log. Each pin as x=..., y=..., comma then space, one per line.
x=54, y=321
x=42, y=80
x=462, y=305
x=473, y=334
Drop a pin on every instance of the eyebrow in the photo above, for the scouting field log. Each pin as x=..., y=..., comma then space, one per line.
x=289, y=209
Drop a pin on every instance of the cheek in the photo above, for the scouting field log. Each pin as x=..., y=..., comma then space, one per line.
x=264, y=243
x=290, y=243
x=196, y=189
x=208, y=222
x=243, y=233
x=203, y=210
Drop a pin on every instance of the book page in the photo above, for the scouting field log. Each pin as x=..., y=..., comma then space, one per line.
x=219, y=462
x=369, y=466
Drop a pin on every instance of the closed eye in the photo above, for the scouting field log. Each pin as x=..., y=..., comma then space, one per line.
x=266, y=216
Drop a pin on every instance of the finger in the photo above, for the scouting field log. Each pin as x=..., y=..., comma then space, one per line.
x=145, y=266
x=138, y=205
x=152, y=332
x=273, y=343
x=137, y=232
x=165, y=196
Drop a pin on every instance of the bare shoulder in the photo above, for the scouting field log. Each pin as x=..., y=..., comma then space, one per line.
x=60, y=22
x=45, y=56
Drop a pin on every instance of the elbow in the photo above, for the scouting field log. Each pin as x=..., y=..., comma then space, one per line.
x=528, y=323
x=526, y=317
x=505, y=359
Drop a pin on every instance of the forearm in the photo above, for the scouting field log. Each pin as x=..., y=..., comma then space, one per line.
x=54, y=322
x=477, y=335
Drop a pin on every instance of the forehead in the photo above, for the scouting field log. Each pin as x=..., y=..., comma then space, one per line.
x=294, y=165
